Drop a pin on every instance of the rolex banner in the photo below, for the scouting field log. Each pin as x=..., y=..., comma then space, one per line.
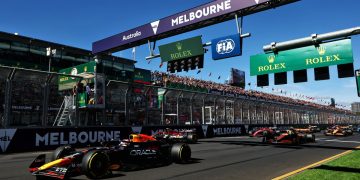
x=181, y=49
x=326, y=54
x=67, y=82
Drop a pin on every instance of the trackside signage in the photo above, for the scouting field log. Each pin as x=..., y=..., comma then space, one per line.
x=327, y=54
x=72, y=137
x=357, y=76
x=6, y=136
x=188, y=20
x=227, y=131
x=39, y=139
x=225, y=47
x=181, y=49
x=67, y=82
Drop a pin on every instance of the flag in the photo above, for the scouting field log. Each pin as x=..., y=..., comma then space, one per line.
x=133, y=52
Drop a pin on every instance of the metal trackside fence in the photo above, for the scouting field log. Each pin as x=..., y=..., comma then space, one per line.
x=31, y=98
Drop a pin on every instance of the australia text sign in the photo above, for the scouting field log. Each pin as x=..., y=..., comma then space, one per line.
x=181, y=49
x=226, y=47
x=327, y=54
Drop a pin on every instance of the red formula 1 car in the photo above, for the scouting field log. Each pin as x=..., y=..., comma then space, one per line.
x=99, y=162
x=175, y=136
x=290, y=136
x=262, y=132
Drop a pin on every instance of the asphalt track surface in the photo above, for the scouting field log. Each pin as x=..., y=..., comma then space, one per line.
x=216, y=158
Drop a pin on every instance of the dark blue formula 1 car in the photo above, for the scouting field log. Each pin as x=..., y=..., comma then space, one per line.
x=99, y=162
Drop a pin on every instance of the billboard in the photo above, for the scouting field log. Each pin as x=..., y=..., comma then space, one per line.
x=237, y=78
x=326, y=54
x=67, y=82
x=225, y=47
x=142, y=76
x=357, y=76
x=201, y=16
x=181, y=49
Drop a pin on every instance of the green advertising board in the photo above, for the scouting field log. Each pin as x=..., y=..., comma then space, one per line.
x=181, y=49
x=82, y=100
x=142, y=76
x=67, y=82
x=357, y=76
x=326, y=54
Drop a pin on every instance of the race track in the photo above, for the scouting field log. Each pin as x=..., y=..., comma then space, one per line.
x=217, y=158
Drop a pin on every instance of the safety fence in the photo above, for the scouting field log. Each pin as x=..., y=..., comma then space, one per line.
x=32, y=99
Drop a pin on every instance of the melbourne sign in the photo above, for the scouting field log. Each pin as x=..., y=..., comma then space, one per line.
x=211, y=13
x=181, y=49
x=73, y=137
x=226, y=47
x=326, y=54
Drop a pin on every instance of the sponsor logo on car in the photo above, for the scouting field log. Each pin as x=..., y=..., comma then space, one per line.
x=143, y=152
x=153, y=132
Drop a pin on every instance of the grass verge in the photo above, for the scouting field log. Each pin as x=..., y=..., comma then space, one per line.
x=345, y=167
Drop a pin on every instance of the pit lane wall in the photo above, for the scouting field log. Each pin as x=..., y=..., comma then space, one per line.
x=40, y=139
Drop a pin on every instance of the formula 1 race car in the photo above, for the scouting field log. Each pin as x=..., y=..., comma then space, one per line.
x=99, y=162
x=290, y=136
x=310, y=129
x=174, y=136
x=266, y=131
x=338, y=131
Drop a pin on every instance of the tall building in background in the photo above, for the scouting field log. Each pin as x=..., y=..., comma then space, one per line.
x=355, y=107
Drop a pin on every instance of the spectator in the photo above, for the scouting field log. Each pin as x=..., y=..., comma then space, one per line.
x=165, y=79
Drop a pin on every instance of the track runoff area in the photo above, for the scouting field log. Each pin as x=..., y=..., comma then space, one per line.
x=217, y=158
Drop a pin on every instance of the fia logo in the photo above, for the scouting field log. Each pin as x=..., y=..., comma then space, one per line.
x=225, y=46
x=6, y=136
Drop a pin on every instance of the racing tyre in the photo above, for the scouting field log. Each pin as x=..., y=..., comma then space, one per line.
x=309, y=137
x=192, y=138
x=180, y=153
x=95, y=165
x=61, y=152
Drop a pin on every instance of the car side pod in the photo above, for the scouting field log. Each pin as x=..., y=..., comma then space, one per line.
x=180, y=153
x=38, y=162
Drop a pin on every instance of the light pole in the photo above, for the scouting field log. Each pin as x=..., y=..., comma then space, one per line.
x=50, y=52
